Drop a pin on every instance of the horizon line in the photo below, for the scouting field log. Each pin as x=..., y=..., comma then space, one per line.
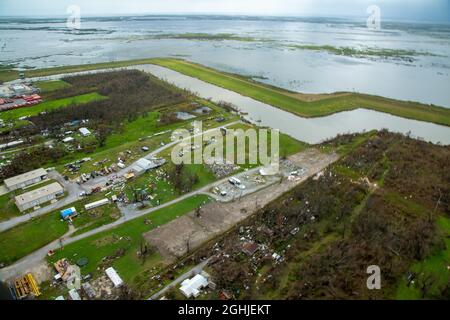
x=229, y=14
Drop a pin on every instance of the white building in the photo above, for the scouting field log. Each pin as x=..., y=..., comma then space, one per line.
x=39, y=196
x=73, y=294
x=11, y=144
x=96, y=204
x=25, y=179
x=191, y=287
x=143, y=165
x=68, y=139
x=114, y=277
x=84, y=132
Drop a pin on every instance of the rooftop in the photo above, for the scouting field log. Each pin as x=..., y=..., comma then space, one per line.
x=39, y=193
x=25, y=177
x=192, y=287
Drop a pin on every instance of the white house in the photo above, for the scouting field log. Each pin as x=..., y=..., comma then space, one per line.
x=114, y=277
x=191, y=287
x=84, y=132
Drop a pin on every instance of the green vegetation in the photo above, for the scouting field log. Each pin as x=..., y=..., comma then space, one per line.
x=49, y=227
x=432, y=275
x=51, y=105
x=126, y=238
x=22, y=240
x=94, y=218
x=49, y=86
x=308, y=105
x=305, y=105
x=365, y=52
x=8, y=208
x=205, y=36
x=377, y=205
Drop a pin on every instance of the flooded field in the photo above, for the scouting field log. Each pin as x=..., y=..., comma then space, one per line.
x=300, y=54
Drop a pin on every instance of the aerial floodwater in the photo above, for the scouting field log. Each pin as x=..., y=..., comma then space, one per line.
x=311, y=130
x=311, y=55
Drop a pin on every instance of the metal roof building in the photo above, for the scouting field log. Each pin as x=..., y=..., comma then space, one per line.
x=142, y=165
x=114, y=277
x=26, y=179
x=39, y=196
x=192, y=287
x=84, y=132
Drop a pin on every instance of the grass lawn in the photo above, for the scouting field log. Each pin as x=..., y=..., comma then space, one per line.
x=128, y=237
x=49, y=86
x=38, y=227
x=22, y=240
x=435, y=267
x=320, y=105
x=8, y=208
x=51, y=105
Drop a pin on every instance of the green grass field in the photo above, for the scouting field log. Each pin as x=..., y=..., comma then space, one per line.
x=127, y=236
x=49, y=86
x=22, y=240
x=8, y=208
x=434, y=268
x=40, y=231
x=50, y=105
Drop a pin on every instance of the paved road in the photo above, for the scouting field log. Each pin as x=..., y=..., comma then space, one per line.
x=75, y=189
x=194, y=271
x=103, y=179
x=129, y=213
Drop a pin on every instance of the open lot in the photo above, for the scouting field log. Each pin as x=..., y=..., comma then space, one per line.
x=190, y=231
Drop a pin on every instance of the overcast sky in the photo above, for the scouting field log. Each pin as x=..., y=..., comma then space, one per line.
x=424, y=10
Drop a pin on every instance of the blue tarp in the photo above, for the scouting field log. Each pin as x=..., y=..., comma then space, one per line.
x=68, y=212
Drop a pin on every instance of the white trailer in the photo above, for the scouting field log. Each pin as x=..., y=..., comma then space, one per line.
x=96, y=204
x=114, y=277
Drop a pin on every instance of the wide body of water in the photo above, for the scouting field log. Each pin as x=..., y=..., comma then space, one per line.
x=310, y=130
x=47, y=42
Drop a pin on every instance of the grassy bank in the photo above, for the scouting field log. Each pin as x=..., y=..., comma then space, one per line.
x=308, y=105
x=305, y=105
x=8, y=75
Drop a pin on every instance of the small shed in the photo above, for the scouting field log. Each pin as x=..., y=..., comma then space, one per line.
x=68, y=139
x=84, y=132
x=74, y=295
x=67, y=213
